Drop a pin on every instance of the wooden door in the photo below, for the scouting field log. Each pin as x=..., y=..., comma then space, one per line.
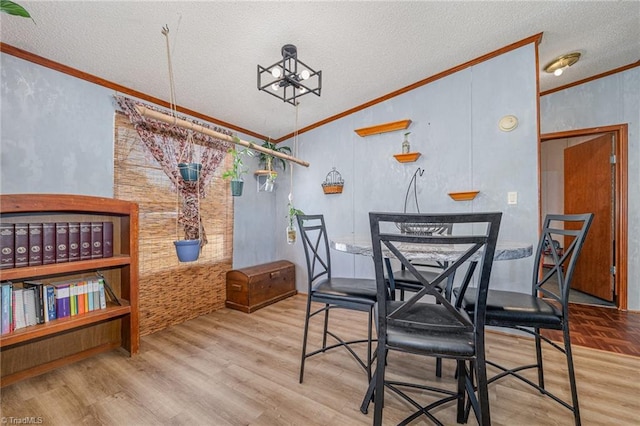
x=588, y=187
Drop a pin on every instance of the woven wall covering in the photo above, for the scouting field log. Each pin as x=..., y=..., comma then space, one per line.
x=172, y=292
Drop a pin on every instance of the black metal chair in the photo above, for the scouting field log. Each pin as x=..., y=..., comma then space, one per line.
x=546, y=307
x=402, y=280
x=348, y=293
x=434, y=329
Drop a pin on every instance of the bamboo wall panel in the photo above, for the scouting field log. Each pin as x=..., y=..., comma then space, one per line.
x=172, y=292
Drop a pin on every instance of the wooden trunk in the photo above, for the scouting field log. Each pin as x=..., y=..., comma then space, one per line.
x=252, y=288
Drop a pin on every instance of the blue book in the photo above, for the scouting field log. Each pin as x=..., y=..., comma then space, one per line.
x=51, y=303
x=63, y=306
x=5, y=298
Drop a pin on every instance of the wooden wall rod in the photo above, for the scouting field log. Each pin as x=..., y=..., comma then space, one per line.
x=165, y=118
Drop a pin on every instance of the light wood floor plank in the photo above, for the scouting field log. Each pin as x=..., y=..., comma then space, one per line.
x=229, y=368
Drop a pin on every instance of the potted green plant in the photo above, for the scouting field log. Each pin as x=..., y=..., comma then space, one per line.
x=266, y=160
x=237, y=170
x=291, y=229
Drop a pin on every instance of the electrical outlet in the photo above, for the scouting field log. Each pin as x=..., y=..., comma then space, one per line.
x=512, y=197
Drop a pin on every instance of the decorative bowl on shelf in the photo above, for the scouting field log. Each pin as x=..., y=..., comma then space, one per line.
x=408, y=157
x=463, y=196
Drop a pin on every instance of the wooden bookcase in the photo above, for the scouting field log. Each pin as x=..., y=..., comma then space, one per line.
x=36, y=349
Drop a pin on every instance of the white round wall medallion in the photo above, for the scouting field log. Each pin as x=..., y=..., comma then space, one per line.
x=508, y=123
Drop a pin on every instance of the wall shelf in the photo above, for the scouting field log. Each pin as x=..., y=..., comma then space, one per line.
x=409, y=157
x=262, y=179
x=463, y=196
x=383, y=128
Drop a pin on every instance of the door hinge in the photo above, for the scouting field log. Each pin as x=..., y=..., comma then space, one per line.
x=613, y=270
x=612, y=160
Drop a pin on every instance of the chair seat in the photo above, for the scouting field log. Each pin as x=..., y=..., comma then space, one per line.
x=354, y=290
x=436, y=333
x=506, y=308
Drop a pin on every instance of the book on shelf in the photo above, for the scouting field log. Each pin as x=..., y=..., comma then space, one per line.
x=74, y=241
x=21, y=244
x=7, y=244
x=110, y=294
x=85, y=240
x=51, y=303
x=7, y=311
x=96, y=294
x=38, y=287
x=73, y=298
x=81, y=290
x=29, y=297
x=107, y=239
x=17, y=303
x=103, y=297
x=35, y=244
x=62, y=242
x=48, y=243
x=62, y=292
x=96, y=239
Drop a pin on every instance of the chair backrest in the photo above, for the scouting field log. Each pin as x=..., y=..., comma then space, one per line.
x=471, y=246
x=316, y=246
x=557, y=262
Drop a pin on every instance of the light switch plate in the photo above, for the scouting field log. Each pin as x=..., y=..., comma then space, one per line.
x=512, y=198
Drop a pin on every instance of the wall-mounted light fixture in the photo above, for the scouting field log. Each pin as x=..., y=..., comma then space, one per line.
x=558, y=65
x=289, y=78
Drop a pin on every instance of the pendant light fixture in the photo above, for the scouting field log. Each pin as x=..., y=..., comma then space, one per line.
x=289, y=78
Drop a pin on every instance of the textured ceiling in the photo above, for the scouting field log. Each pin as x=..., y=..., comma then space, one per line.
x=364, y=49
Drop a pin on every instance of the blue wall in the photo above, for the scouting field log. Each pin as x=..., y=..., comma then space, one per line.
x=455, y=127
x=610, y=100
x=57, y=132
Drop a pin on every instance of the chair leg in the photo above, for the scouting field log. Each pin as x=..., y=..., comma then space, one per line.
x=379, y=387
x=461, y=392
x=539, y=358
x=326, y=326
x=480, y=370
x=304, y=339
x=438, y=367
x=368, y=397
x=369, y=344
x=572, y=376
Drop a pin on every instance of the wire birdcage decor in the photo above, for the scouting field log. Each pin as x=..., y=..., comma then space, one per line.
x=416, y=228
x=333, y=183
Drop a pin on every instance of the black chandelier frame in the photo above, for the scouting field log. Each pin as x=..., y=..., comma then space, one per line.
x=290, y=84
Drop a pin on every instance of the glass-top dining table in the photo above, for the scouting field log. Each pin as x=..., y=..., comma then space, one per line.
x=362, y=245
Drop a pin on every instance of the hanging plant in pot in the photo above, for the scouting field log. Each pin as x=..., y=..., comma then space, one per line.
x=268, y=164
x=189, y=169
x=291, y=229
x=188, y=250
x=237, y=170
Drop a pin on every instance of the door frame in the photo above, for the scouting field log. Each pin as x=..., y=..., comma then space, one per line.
x=620, y=132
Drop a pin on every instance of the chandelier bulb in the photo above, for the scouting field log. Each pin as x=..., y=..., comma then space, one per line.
x=275, y=86
x=305, y=74
x=558, y=72
x=303, y=90
x=276, y=72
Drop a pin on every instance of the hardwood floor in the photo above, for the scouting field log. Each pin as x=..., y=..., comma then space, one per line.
x=231, y=368
x=607, y=329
